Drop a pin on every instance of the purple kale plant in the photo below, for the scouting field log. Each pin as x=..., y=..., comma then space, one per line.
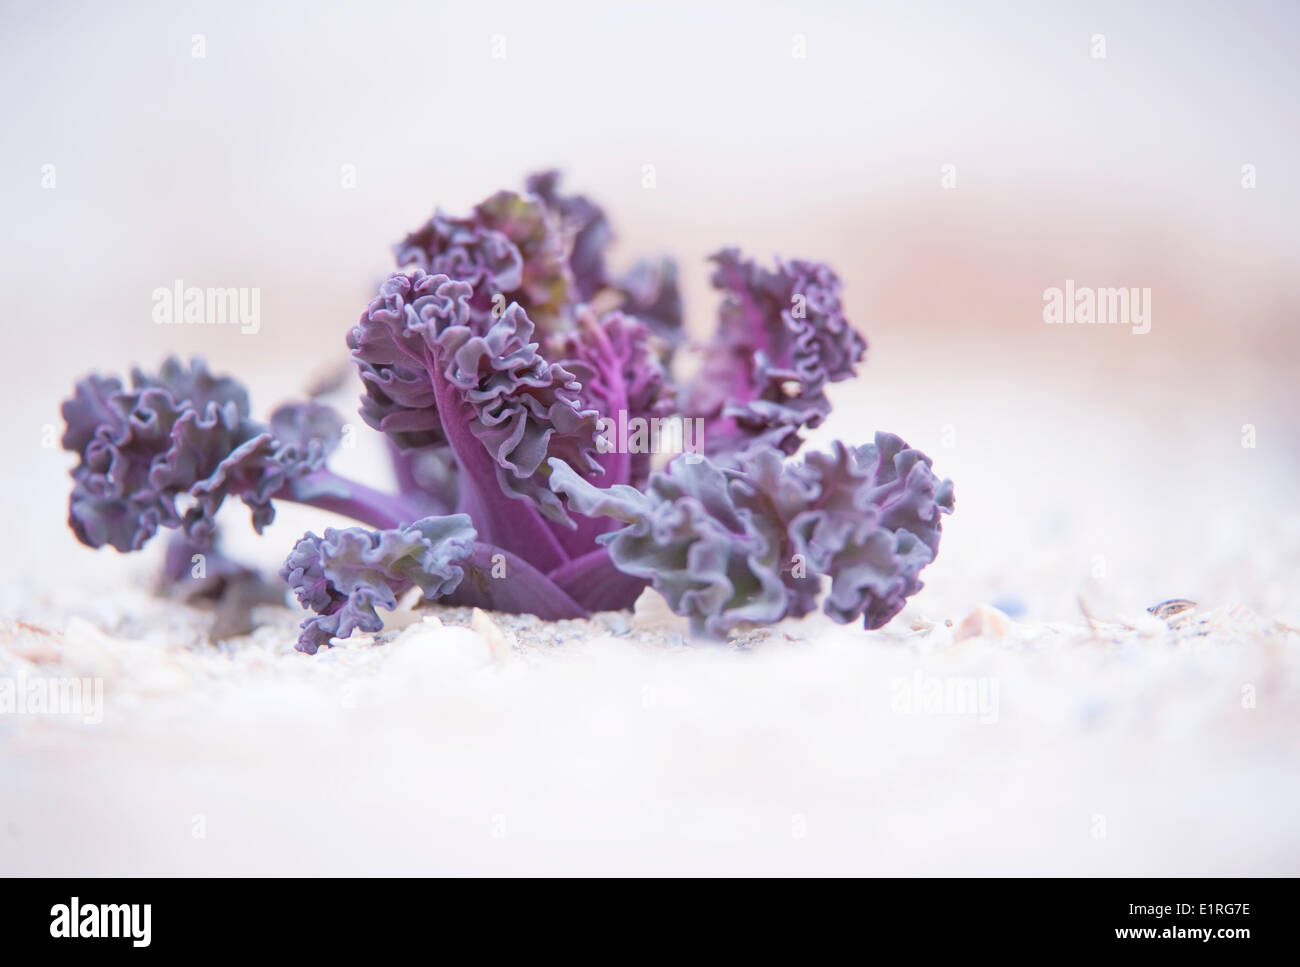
x=546, y=460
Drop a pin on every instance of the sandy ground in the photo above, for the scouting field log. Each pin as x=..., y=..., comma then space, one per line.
x=610, y=746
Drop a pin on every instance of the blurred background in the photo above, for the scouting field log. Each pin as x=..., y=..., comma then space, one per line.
x=952, y=161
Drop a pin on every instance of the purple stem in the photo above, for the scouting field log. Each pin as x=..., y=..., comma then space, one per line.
x=594, y=582
x=401, y=459
x=329, y=491
x=519, y=588
x=499, y=519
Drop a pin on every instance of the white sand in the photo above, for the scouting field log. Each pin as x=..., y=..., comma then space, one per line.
x=609, y=746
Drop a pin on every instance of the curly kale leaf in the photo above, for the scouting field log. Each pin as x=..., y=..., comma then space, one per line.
x=743, y=543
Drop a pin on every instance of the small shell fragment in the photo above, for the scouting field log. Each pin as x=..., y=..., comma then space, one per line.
x=983, y=622
x=652, y=614
x=31, y=642
x=491, y=633
x=1171, y=608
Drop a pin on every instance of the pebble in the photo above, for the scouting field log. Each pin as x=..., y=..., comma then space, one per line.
x=430, y=647
x=983, y=622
